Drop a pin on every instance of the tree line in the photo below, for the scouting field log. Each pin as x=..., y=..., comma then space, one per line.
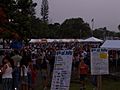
x=18, y=21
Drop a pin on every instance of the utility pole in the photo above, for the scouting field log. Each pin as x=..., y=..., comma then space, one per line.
x=92, y=26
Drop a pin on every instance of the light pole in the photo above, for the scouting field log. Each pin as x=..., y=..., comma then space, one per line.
x=92, y=26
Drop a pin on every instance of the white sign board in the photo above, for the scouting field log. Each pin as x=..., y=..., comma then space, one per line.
x=99, y=61
x=62, y=70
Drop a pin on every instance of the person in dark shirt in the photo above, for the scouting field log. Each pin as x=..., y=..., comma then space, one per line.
x=44, y=73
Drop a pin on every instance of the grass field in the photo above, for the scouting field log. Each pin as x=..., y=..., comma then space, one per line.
x=107, y=84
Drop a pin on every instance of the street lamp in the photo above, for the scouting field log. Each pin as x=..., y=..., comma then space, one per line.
x=92, y=26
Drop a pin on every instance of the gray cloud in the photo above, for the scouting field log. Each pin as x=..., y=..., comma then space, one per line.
x=105, y=12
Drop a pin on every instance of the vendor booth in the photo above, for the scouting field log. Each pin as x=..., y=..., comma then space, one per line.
x=92, y=42
x=114, y=54
x=93, y=39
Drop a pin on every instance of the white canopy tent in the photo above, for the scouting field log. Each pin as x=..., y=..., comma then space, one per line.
x=92, y=39
x=50, y=40
x=111, y=44
x=34, y=40
x=55, y=40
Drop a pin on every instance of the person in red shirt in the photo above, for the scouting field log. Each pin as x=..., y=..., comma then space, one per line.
x=83, y=72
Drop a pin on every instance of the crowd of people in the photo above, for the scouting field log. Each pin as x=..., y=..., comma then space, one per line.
x=21, y=67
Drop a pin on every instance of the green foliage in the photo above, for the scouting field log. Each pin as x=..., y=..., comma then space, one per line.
x=75, y=28
x=21, y=19
x=39, y=29
x=54, y=30
x=19, y=14
x=103, y=33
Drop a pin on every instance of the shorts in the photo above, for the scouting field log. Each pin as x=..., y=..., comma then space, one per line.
x=7, y=83
x=24, y=80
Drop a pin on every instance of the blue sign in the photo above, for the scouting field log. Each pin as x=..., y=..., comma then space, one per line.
x=16, y=44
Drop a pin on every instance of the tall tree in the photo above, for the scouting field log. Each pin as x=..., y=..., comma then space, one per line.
x=45, y=11
x=75, y=28
x=104, y=33
x=19, y=15
x=24, y=15
x=7, y=8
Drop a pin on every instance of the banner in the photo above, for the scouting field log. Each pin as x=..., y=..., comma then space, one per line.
x=99, y=61
x=16, y=44
x=62, y=70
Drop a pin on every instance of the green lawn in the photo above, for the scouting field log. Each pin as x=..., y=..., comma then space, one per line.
x=107, y=84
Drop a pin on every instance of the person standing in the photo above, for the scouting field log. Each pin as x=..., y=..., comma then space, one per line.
x=1, y=58
x=25, y=75
x=83, y=72
x=6, y=72
x=16, y=58
x=16, y=72
x=44, y=73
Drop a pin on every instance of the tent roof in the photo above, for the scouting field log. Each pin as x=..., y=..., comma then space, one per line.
x=34, y=40
x=55, y=40
x=93, y=39
x=111, y=44
x=50, y=40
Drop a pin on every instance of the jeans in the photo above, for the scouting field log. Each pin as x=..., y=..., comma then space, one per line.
x=7, y=84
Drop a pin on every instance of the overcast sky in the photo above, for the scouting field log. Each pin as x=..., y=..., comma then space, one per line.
x=106, y=13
